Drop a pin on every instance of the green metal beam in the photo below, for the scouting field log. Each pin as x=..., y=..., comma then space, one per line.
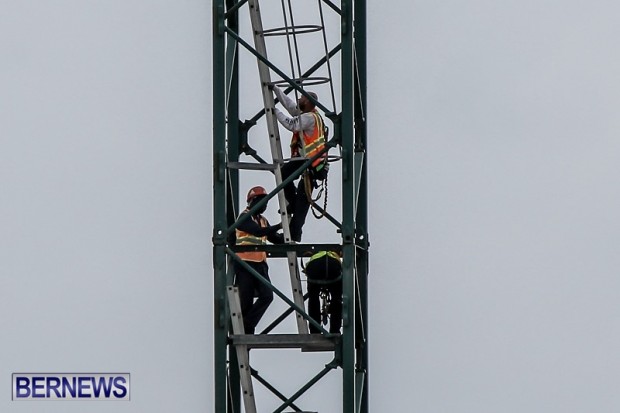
x=272, y=389
x=307, y=386
x=361, y=218
x=219, y=210
x=232, y=183
x=280, y=250
x=348, y=205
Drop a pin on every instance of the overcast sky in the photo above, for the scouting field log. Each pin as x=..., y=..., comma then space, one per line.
x=494, y=227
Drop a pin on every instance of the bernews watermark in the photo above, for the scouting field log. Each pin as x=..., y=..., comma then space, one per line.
x=71, y=386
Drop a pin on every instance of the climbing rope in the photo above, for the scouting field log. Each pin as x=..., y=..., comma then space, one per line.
x=309, y=185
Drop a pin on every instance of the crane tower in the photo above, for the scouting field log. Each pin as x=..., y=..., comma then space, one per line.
x=299, y=46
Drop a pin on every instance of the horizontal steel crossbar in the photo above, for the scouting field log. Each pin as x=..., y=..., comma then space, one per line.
x=306, y=342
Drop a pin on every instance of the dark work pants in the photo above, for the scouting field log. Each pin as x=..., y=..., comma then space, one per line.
x=249, y=286
x=323, y=270
x=296, y=198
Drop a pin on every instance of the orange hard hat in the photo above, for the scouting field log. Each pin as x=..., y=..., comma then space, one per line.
x=256, y=191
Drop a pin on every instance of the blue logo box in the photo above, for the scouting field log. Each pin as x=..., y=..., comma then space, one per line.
x=71, y=386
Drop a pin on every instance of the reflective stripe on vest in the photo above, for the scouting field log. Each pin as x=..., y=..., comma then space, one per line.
x=322, y=277
x=311, y=144
x=245, y=238
x=321, y=254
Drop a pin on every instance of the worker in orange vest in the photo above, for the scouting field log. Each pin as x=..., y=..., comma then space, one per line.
x=308, y=140
x=255, y=230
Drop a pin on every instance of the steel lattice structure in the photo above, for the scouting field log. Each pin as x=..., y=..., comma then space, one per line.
x=350, y=136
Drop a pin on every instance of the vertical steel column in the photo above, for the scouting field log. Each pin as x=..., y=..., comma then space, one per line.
x=233, y=139
x=348, y=209
x=220, y=319
x=232, y=111
x=361, y=215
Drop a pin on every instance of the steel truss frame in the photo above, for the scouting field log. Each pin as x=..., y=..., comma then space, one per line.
x=229, y=141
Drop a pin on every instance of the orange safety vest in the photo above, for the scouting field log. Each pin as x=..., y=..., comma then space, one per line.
x=244, y=238
x=310, y=144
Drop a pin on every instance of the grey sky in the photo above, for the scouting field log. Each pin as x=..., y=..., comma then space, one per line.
x=494, y=157
x=505, y=295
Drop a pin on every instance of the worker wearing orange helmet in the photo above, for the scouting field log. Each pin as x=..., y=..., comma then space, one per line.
x=255, y=230
x=308, y=140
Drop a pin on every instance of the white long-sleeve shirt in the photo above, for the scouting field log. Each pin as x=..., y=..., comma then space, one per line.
x=298, y=121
